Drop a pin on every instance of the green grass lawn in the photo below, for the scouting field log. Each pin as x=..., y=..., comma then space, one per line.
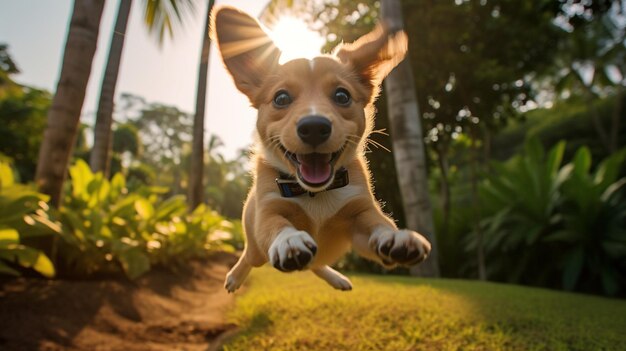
x=299, y=311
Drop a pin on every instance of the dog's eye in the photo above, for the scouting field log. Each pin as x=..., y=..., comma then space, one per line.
x=282, y=99
x=342, y=97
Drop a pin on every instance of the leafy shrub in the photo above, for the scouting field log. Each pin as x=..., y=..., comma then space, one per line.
x=593, y=225
x=552, y=225
x=22, y=217
x=519, y=206
x=106, y=227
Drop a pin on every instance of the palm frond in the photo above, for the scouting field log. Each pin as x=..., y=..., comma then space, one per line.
x=162, y=16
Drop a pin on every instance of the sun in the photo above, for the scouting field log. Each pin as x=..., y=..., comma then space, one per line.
x=295, y=39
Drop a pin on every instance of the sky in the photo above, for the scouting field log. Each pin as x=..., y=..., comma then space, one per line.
x=35, y=31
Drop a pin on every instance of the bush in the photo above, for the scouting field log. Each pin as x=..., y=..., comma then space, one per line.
x=593, y=225
x=106, y=227
x=544, y=223
x=23, y=217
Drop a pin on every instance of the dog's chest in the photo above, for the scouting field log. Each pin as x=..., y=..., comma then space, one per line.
x=325, y=205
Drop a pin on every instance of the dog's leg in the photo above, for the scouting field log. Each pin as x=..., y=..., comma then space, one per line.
x=334, y=278
x=237, y=274
x=377, y=238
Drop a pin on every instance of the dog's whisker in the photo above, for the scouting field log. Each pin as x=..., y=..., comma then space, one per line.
x=377, y=144
x=382, y=131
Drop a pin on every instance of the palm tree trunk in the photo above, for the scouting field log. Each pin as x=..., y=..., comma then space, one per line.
x=100, y=158
x=408, y=147
x=64, y=114
x=196, y=173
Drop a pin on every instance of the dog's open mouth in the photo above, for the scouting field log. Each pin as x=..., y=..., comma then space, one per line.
x=314, y=169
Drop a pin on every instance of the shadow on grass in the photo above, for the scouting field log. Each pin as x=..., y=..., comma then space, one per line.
x=549, y=319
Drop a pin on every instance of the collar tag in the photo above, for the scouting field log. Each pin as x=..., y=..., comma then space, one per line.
x=289, y=186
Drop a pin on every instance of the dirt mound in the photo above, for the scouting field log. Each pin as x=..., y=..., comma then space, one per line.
x=161, y=311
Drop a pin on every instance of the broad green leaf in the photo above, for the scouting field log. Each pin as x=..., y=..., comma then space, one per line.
x=81, y=177
x=9, y=236
x=118, y=183
x=98, y=190
x=41, y=226
x=555, y=156
x=144, y=208
x=609, y=169
x=134, y=262
x=125, y=207
x=44, y=266
x=28, y=257
x=173, y=205
x=75, y=222
x=6, y=176
x=563, y=175
x=613, y=189
x=16, y=209
x=582, y=162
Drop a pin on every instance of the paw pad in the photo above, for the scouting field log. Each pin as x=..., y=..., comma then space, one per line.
x=292, y=250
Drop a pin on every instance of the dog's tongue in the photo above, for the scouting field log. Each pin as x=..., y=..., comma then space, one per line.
x=315, y=168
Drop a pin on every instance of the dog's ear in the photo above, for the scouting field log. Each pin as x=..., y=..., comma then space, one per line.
x=247, y=50
x=375, y=54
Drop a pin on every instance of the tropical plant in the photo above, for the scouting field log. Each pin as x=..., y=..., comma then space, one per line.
x=23, y=218
x=519, y=205
x=106, y=227
x=593, y=233
x=535, y=209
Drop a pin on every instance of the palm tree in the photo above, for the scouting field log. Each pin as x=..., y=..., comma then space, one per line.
x=196, y=172
x=408, y=146
x=158, y=18
x=64, y=114
x=99, y=159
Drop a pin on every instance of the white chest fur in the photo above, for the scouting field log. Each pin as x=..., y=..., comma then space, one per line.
x=326, y=204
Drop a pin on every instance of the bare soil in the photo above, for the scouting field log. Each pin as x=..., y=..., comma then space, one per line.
x=161, y=311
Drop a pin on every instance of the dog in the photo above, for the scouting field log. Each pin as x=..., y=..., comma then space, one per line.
x=311, y=198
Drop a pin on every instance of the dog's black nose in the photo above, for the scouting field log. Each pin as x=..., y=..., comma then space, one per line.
x=314, y=130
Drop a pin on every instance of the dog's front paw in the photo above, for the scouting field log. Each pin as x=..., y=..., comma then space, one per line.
x=292, y=250
x=404, y=247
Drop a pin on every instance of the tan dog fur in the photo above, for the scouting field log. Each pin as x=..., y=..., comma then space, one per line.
x=312, y=232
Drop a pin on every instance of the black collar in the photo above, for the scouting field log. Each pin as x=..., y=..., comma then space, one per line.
x=289, y=186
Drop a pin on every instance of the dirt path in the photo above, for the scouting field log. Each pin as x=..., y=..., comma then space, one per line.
x=161, y=311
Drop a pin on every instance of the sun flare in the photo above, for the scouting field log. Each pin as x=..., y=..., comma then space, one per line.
x=295, y=39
